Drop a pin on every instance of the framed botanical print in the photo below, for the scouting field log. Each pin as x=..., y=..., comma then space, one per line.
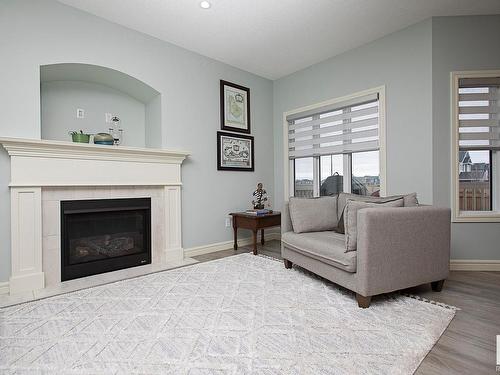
x=234, y=107
x=234, y=152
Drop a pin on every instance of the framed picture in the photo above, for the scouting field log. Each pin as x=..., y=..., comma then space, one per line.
x=234, y=107
x=234, y=152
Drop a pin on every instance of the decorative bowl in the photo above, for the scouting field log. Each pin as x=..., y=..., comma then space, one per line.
x=103, y=139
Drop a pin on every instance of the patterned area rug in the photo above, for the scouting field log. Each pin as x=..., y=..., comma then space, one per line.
x=243, y=314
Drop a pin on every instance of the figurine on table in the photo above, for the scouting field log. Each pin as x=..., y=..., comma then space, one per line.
x=260, y=197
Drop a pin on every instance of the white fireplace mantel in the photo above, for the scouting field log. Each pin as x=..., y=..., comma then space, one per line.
x=38, y=164
x=55, y=163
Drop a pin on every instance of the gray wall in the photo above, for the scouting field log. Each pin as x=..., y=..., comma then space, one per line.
x=460, y=43
x=401, y=62
x=60, y=99
x=34, y=33
x=153, y=116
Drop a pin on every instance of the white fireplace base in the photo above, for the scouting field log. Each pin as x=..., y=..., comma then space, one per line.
x=45, y=172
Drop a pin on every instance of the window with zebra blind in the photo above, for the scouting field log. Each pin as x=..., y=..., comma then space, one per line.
x=476, y=145
x=337, y=146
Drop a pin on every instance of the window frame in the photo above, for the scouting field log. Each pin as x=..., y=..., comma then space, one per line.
x=289, y=170
x=458, y=216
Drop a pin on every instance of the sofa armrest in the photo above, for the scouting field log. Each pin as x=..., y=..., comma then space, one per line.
x=286, y=221
x=401, y=247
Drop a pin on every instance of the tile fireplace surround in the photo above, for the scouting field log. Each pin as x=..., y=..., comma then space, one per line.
x=45, y=172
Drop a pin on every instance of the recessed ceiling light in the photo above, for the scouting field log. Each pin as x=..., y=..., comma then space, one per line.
x=205, y=4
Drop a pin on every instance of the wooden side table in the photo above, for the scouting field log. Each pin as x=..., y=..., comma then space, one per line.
x=254, y=223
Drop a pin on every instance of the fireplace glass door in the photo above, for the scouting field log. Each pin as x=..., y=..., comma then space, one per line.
x=104, y=235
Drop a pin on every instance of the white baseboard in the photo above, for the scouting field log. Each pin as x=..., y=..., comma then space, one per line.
x=455, y=264
x=4, y=287
x=273, y=236
x=474, y=265
x=219, y=246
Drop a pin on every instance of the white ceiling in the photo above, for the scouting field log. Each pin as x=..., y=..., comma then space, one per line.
x=273, y=38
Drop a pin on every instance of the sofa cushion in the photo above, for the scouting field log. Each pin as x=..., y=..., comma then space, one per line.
x=327, y=247
x=351, y=219
x=313, y=214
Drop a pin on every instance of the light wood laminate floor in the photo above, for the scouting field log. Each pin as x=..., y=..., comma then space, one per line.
x=468, y=344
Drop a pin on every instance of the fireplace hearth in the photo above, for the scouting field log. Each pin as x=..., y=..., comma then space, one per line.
x=103, y=235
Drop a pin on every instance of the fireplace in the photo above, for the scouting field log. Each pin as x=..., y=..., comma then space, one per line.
x=103, y=235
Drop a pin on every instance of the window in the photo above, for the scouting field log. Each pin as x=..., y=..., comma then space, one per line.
x=304, y=177
x=365, y=173
x=336, y=146
x=476, y=138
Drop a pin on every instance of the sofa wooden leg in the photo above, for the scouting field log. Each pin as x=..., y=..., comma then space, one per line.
x=363, y=302
x=288, y=264
x=437, y=286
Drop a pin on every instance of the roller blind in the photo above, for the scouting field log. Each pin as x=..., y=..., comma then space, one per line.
x=344, y=127
x=478, y=113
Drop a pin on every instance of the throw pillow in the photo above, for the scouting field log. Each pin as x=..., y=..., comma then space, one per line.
x=313, y=214
x=344, y=197
x=351, y=219
x=410, y=200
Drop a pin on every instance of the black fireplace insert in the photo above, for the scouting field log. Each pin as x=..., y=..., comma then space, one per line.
x=103, y=235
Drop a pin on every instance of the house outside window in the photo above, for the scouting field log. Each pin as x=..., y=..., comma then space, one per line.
x=337, y=146
x=476, y=146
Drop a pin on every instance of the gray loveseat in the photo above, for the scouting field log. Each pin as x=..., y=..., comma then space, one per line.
x=397, y=243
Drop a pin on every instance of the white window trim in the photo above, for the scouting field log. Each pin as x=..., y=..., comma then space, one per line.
x=457, y=215
x=287, y=181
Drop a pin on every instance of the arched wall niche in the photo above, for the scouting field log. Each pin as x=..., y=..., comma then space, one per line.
x=68, y=87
